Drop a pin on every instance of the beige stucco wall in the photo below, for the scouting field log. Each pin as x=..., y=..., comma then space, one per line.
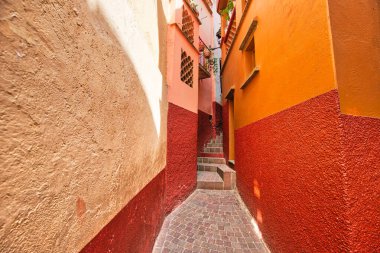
x=82, y=116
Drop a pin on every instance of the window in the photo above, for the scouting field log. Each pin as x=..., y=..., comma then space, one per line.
x=186, y=68
x=187, y=25
x=249, y=54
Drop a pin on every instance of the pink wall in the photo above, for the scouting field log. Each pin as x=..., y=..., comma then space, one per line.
x=180, y=93
x=206, y=29
x=181, y=169
x=206, y=95
x=206, y=86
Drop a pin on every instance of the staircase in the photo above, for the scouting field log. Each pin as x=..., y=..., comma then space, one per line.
x=213, y=173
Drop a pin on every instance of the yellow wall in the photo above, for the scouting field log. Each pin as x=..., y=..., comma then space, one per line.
x=356, y=37
x=293, y=51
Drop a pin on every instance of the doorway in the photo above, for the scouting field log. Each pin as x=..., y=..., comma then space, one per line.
x=231, y=126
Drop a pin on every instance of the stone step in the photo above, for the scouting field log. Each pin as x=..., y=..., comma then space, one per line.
x=213, y=167
x=215, y=141
x=218, y=140
x=228, y=175
x=213, y=150
x=211, y=160
x=209, y=180
x=214, y=145
x=211, y=155
x=224, y=178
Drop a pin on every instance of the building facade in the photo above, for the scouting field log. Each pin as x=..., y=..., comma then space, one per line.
x=83, y=125
x=106, y=105
x=100, y=104
x=301, y=119
x=209, y=109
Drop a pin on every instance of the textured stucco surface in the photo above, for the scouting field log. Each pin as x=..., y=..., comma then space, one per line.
x=205, y=130
x=313, y=186
x=135, y=227
x=179, y=93
x=290, y=175
x=206, y=95
x=355, y=30
x=181, y=170
x=362, y=162
x=293, y=51
x=81, y=130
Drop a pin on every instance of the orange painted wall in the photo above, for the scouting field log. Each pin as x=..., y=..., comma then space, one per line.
x=293, y=51
x=355, y=31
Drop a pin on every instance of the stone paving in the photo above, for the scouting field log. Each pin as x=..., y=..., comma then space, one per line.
x=209, y=221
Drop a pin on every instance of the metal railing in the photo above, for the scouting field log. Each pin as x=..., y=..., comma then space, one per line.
x=205, y=56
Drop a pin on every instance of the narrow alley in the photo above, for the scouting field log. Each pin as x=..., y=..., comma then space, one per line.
x=210, y=221
x=189, y=126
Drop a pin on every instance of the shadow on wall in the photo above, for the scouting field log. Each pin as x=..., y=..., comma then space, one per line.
x=81, y=130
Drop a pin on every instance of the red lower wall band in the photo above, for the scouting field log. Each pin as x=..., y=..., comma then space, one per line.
x=311, y=178
x=289, y=176
x=205, y=130
x=135, y=227
x=362, y=163
x=181, y=171
x=218, y=117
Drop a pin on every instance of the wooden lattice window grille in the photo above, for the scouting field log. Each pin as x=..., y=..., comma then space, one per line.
x=186, y=68
x=187, y=25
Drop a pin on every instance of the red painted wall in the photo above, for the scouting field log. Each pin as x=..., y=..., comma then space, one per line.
x=181, y=171
x=290, y=176
x=218, y=117
x=135, y=227
x=225, y=118
x=205, y=130
x=362, y=162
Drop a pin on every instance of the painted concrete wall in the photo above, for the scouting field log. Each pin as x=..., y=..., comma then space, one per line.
x=293, y=51
x=83, y=125
x=180, y=93
x=362, y=164
x=355, y=28
x=205, y=95
x=217, y=53
x=206, y=92
x=180, y=175
x=181, y=172
x=310, y=177
x=307, y=126
x=205, y=130
x=290, y=176
x=135, y=227
x=205, y=16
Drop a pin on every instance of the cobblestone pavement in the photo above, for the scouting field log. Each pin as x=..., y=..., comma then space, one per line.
x=209, y=221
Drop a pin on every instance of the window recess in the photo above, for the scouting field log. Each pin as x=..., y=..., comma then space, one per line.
x=248, y=49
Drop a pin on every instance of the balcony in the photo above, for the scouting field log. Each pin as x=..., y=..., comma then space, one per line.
x=205, y=60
